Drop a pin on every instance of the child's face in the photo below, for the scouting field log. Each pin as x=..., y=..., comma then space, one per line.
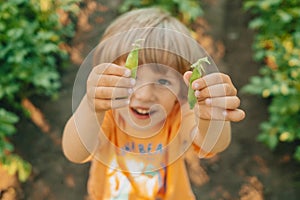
x=154, y=96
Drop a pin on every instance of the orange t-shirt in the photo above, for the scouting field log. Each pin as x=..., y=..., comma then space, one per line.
x=126, y=167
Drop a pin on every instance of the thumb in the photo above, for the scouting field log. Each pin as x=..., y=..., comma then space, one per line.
x=186, y=77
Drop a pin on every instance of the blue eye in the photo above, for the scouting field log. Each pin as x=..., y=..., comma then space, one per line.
x=164, y=82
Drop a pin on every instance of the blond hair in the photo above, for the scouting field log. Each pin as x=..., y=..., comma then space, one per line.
x=166, y=40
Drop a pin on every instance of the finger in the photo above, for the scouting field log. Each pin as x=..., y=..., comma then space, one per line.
x=219, y=90
x=210, y=113
x=235, y=115
x=111, y=81
x=186, y=77
x=112, y=92
x=227, y=102
x=215, y=113
x=103, y=104
x=211, y=79
x=112, y=69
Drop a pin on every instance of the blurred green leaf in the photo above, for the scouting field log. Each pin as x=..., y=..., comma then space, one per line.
x=284, y=16
x=257, y=23
x=297, y=153
x=270, y=140
x=8, y=117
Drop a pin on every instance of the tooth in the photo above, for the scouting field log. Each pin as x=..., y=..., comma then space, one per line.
x=142, y=111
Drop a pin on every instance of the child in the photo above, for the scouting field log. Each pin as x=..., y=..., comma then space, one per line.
x=136, y=131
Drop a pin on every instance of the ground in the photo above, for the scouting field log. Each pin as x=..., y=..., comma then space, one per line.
x=247, y=170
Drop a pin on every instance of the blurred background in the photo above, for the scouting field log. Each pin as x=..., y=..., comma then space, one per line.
x=257, y=42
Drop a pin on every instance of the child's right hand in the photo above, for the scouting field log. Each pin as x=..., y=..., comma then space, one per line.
x=109, y=86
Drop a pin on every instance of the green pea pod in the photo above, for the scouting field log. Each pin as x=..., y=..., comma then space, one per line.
x=133, y=58
x=191, y=93
x=197, y=73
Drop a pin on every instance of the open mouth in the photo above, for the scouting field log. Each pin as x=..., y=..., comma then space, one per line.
x=142, y=113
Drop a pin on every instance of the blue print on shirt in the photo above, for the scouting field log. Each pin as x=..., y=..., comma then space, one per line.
x=141, y=148
x=130, y=147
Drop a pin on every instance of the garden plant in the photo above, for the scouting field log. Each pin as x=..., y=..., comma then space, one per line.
x=277, y=49
x=32, y=37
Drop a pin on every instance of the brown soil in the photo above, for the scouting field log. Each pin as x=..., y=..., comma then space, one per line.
x=247, y=170
x=9, y=185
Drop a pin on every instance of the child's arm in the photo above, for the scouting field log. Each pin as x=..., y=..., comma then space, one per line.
x=217, y=105
x=108, y=87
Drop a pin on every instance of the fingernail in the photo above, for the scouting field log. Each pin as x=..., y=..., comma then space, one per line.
x=197, y=93
x=196, y=86
x=130, y=91
x=132, y=81
x=127, y=73
x=224, y=113
x=208, y=101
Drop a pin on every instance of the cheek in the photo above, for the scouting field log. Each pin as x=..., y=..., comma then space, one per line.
x=168, y=102
x=172, y=91
x=178, y=89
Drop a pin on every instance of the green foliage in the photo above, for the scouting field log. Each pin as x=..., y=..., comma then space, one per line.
x=14, y=164
x=187, y=10
x=31, y=36
x=277, y=45
x=7, y=128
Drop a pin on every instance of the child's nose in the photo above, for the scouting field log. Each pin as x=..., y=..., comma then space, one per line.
x=145, y=93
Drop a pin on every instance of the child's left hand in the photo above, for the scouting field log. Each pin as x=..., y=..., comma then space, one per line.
x=217, y=97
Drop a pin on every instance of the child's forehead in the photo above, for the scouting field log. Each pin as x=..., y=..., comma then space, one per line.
x=159, y=69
